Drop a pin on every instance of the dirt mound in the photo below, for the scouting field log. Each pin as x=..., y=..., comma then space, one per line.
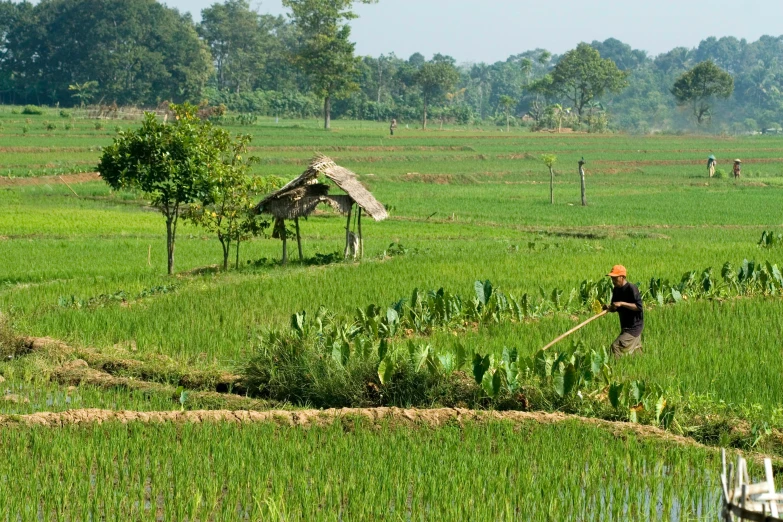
x=117, y=361
x=71, y=179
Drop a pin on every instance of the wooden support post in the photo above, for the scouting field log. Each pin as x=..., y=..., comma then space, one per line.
x=582, y=181
x=280, y=225
x=298, y=239
x=359, y=230
x=348, y=232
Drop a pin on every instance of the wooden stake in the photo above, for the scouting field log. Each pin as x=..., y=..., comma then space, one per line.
x=298, y=238
x=574, y=329
x=69, y=187
x=582, y=181
x=149, y=254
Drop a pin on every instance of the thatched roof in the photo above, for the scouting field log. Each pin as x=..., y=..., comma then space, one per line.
x=300, y=196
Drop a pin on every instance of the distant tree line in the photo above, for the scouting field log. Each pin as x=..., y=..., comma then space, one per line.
x=142, y=53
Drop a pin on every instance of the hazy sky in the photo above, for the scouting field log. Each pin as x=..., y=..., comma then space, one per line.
x=491, y=30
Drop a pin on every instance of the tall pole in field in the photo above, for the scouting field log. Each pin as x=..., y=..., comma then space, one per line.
x=582, y=180
x=348, y=231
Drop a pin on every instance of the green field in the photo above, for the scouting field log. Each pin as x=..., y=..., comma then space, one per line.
x=466, y=204
x=350, y=471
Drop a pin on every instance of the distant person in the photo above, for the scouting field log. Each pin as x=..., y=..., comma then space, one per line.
x=627, y=302
x=392, y=126
x=737, y=168
x=711, y=163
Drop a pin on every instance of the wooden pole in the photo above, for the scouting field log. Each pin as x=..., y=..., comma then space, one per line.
x=348, y=232
x=285, y=245
x=359, y=230
x=582, y=181
x=574, y=329
x=298, y=238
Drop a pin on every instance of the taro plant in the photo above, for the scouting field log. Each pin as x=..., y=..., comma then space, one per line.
x=769, y=239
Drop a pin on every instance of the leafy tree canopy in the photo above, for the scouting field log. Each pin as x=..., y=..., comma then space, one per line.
x=700, y=85
x=171, y=163
x=582, y=75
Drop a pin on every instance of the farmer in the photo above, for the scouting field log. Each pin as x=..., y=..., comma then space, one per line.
x=393, y=126
x=627, y=302
x=711, y=165
x=737, y=168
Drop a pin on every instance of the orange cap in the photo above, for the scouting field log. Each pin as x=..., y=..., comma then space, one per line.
x=617, y=271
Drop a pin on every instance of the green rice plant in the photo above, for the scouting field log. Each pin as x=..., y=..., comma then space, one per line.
x=263, y=471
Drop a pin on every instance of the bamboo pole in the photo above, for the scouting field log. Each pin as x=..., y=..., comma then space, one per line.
x=69, y=187
x=574, y=329
x=348, y=231
x=298, y=238
x=359, y=230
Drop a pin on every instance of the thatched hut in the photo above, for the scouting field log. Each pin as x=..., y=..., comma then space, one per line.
x=300, y=197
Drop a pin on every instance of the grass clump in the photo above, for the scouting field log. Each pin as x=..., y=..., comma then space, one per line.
x=33, y=110
x=11, y=346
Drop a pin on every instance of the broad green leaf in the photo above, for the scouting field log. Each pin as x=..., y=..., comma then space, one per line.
x=461, y=357
x=480, y=367
x=496, y=382
x=383, y=348
x=421, y=356
x=298, y=321
x=615, y=394
x=392, y=317
x=447, y=361
x=660, y=406
x=636, y=391
x=565, y=379
x=386, y=370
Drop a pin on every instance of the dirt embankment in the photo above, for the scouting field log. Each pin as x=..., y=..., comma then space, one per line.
x=305, y=418
x=49, y=180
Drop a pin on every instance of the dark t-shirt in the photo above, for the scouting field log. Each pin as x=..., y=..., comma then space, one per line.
x=630, y=322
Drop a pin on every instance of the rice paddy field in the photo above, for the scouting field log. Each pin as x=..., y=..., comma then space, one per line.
x=466, y=204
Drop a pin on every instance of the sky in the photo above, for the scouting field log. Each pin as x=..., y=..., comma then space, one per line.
x=492, y=30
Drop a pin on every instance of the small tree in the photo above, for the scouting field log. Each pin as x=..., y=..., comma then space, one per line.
x=550, y=160
x=171, y=163
x=700, y=85
x=435, y=79
x=582, y=75
x=83, y=91
x=325, y=53
x=507, y=103
x=227, y=209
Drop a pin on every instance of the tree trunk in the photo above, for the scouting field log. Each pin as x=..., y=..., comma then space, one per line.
x=236, y=265
x=298, y=239
x=582, y=181
x=424, y=123
x=171, y=230
x=551, y=186
x=348, y=232
x=226, y=244
x=508, y=129
x=328, y=112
